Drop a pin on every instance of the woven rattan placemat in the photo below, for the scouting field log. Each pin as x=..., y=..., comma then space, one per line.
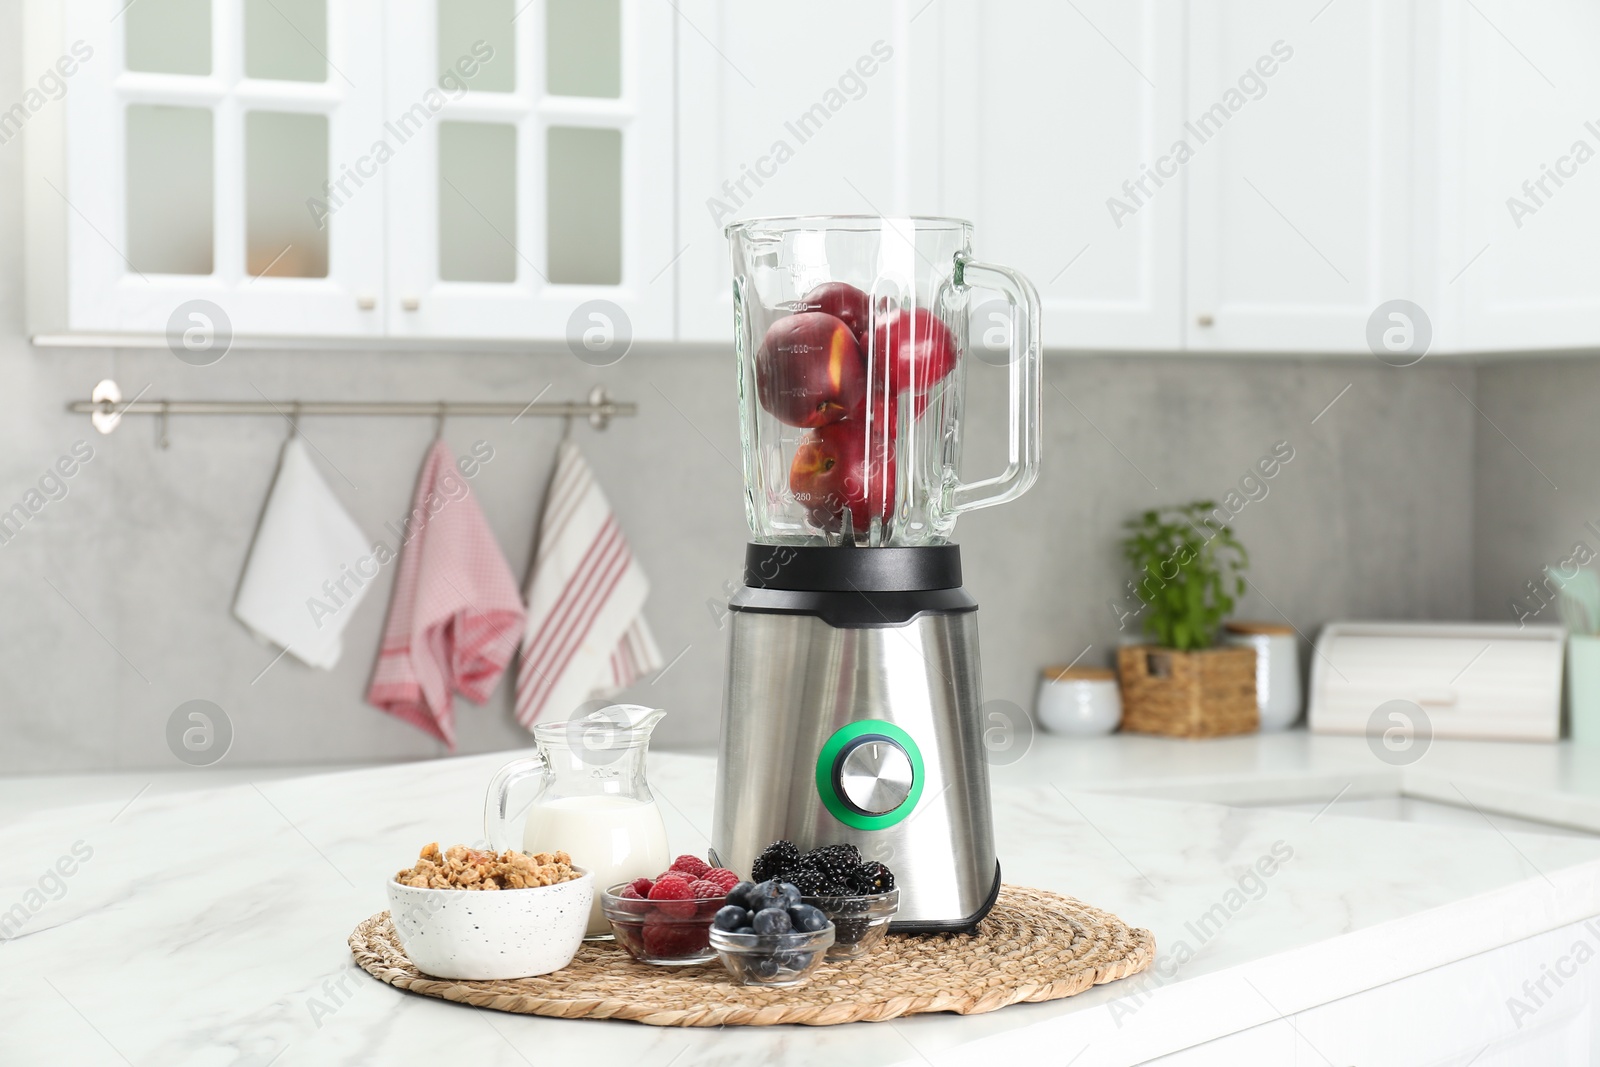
x=1033, y=946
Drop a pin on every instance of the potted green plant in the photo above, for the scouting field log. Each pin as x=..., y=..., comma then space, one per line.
x=1187, y=569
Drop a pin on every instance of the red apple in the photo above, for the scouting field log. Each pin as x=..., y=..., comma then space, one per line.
x=918, y=347
x=834, y=471
x=846, y=303
x=809, y=370
x=886, y=411
x=885, y=422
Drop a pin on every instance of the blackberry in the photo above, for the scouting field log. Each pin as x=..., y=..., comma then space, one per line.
x=835, y=863
x=873, y=877
x=850, y=922
x=777, y=860
x=828, y=855
x=810, y=883
x=848, y=930
x=836, y=885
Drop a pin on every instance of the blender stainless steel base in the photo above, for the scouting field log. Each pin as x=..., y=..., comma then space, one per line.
x=854, y=717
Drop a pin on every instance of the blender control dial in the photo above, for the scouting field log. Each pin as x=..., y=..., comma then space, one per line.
x=874, y=775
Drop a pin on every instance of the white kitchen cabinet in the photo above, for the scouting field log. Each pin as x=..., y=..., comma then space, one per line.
x=833, y=110
x=1300, y=186
x=1517, y=149
x=954, y=109
x=1050, y=109
x=536, y=199
x=416, y=169
x=1200, y=175
x=181, y=159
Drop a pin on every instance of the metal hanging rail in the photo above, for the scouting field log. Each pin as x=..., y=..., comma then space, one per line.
x=106, y=408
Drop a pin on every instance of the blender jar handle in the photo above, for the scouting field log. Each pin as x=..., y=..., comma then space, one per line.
x=497, y=802
x=1022, y=465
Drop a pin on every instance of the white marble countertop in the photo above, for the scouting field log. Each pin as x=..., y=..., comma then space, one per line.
x=208, y=927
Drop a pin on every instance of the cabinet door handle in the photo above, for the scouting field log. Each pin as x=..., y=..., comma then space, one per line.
x=1205, y=320
x=410, y=303
x=366, y=301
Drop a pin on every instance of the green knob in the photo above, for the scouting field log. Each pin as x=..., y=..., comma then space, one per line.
x=870, y=774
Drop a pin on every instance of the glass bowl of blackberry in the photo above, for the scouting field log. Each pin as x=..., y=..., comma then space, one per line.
x=859, y=921
x=765, y=935
x=858, y=896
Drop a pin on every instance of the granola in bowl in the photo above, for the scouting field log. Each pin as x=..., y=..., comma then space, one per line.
x=461, y=867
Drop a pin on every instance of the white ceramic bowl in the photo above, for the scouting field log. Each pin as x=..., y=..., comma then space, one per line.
x=1081, y=701
x=478, y=934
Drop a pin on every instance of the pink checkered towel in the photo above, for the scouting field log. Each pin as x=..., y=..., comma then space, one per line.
x=455, y=615
x=586, y=635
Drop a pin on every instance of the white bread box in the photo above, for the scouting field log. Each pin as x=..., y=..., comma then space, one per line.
x=1483, y=681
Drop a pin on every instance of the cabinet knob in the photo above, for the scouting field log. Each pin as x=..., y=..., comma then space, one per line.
x=410, y=303
x=1205, y=320
x=366, y=301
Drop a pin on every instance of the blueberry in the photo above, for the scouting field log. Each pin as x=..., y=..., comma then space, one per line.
x=740, y=894
x=793, y=961
x=771, y=921
x=744, y=929
x=730, y=918
x=774, y=894
x=764, y=966
x=764, y=895
x=806, y=918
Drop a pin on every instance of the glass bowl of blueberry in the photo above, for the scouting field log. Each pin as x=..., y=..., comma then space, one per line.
x=858, y=896
x=765, y=935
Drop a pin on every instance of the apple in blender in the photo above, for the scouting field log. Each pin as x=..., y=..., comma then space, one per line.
x=835, y=470
x=844, y=302
x=917, y=346
x=809, y=370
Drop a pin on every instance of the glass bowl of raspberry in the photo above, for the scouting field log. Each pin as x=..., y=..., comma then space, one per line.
x=666, y=920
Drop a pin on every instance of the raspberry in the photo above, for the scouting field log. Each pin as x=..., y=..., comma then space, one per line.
x=636, y=903
x=641, y=886
x=670, y=940
x=672, y=890
x=693, y=866
x=704, y=889
x=723, y=877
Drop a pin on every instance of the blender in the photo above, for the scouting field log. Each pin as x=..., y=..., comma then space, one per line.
x=851, y=705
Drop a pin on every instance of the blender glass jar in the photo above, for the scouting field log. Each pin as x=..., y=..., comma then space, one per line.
x=852, y=342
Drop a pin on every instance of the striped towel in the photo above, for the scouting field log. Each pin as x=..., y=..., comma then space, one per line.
x=455, y=614
x=586, y=636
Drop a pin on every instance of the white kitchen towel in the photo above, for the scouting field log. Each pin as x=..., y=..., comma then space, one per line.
x=586, y=635
x=301, y=584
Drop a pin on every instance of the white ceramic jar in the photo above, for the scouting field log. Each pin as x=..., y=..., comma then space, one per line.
x=1081, y=701
x=1278, y=694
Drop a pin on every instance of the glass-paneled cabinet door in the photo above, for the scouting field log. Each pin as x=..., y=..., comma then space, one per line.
x=219, y=150
x=531, y=180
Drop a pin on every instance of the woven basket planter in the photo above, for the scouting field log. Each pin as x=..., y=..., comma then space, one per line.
x=1209, y=693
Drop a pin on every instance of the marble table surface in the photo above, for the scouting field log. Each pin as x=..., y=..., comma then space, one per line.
x=208, y=926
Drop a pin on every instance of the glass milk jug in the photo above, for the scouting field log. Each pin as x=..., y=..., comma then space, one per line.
x=591, y=800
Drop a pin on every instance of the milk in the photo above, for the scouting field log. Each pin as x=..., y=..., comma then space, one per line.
x=618, y=838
